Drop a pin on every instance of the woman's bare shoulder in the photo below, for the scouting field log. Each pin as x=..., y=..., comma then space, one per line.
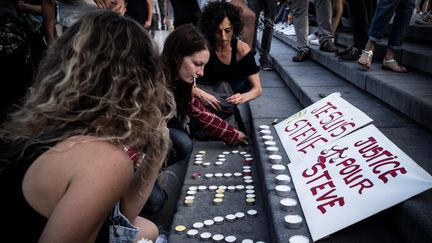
x=93, y=152
x=242, y=48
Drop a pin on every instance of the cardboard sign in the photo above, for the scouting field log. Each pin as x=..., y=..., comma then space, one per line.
x=354, y=177
x=319, y=124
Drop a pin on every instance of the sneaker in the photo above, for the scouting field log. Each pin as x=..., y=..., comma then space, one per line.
x=301, y=56
x=266, y=66
x=426, y=19
x=314, y=42
x=328, y=46
x=352, y=55
x=289, y=30
x=278, y=26
x=312, y=37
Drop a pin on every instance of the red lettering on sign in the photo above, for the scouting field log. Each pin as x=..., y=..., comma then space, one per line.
x=324, y=109
x=386, y=165
x=321, y=181
x=334, y=123
x=331, y=203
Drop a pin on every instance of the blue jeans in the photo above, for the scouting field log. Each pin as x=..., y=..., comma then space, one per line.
x=182, y=146
x=402, y=9
x=181, y=150
x=121, y=230
x=280, y=13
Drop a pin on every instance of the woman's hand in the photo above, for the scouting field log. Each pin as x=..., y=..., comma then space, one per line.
x=237, y=99
x=207, y=99
x=147, y=24
x=21, y=5
x=117, y=6
x=242, y=138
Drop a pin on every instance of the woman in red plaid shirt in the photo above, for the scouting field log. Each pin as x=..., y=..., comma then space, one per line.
x=185, y=53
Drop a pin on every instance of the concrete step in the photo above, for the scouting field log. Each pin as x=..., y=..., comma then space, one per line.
x=409, y=93
x=309, y=80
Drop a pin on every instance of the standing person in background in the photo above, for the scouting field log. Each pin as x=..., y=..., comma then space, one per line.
x=185, y=53
x=402, y=11
x=141, y=11
x=90, y=136
x=16, y=68
x=185, y=11
x=69, y=12
x=30, y=13
x=168, y=18
x=300, y=10
x=361, y=13
x=269, y=9
x=157, y=20
x=324, y=15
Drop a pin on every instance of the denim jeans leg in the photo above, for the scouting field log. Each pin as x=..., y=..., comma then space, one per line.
x=155, y=201
x=182, y=146
x=280, y=13
x=286, y=13
x=381, y=18
x=400, y=23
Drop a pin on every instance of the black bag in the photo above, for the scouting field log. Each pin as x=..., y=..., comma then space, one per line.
x=221, y=90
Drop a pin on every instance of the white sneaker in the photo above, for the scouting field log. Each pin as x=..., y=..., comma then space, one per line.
x=312, y=37
x=289, y=30
x=314, y=42
x=278, y=26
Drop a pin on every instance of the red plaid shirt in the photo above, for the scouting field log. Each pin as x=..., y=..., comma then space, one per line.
x=213, y=124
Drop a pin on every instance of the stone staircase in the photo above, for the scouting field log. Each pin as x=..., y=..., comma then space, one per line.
x=399, y=104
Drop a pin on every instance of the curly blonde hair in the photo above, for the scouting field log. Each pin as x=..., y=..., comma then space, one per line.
x=103, y=77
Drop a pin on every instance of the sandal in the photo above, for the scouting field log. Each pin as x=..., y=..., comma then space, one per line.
x=365, y=59
x=393, y=66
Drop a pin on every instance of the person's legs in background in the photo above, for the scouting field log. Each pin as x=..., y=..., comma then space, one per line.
x=324, y=13
x=359, y=16
x=269, y=8
x=337, y=14
x=383, y=13
x=403, y=13
x=300, y=10
x=269, y=13
x=280, y=13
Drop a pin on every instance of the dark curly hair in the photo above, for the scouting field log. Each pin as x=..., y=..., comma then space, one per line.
x=212, y=16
